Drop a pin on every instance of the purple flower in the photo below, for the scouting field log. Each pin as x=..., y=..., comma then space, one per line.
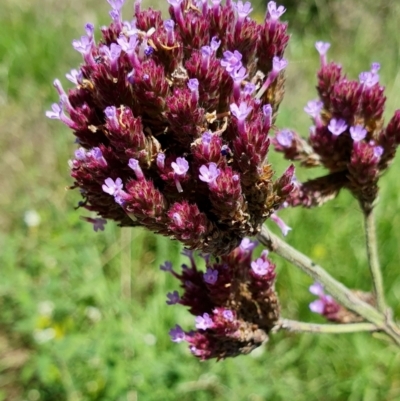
x=177, y=334
x=98, y=224
x=322, y=47
x=96, y=153
x=313, y=108
x=209, y=174
x=89, y=28
x=239, y=74
x=242, y=111
x=75, y=76
x=228, y=315
x=112, y=118
x=210, y=276
x=260, y=266
x=285, y=138
x=231, y=60
x=358, y=133
x=176, y=5
x=204, y=322
x=181, y=166
x=116, y=4
x=206, y=137
x=247, y=245
x=177, y=218
x=243, y=10
x=80, y=154
x=317, y=289
x=368, y=78
x=134, y=165
x=215, y=44
x=281, y=224
x=193, y=85
x=169, y=25
x=128, y=46
x=371, y=77
x=55, y=113
x=274, y=12
x=378, y=151
x=160, y=161
x=83, y=46
x=166, y=267
x=249, y=88
x=173, y=298
x=317, y=306
x=112, y=187
x=337, y=126
x=112, y=53
x=279, y=64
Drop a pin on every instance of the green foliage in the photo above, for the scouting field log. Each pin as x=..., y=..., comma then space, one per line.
x=89, y=309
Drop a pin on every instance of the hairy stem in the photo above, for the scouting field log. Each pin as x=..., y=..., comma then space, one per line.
x=341, y=293
x=373, y=261
x=304, y=327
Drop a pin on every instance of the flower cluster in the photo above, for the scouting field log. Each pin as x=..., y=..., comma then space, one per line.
x=347, y=137
x=326, y=306
x=172, y=118
x=234, y=302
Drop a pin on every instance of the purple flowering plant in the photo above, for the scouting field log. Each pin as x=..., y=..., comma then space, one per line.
x=174, y=119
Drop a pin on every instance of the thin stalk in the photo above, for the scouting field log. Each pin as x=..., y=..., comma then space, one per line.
x=341, y=293
x=304, y=327
x=373, y=261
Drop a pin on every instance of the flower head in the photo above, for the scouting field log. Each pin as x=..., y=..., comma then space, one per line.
x=162, y=106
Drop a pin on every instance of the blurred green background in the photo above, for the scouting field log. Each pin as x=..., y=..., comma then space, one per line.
x=83, y=314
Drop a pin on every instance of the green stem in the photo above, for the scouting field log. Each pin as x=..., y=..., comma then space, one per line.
x=341, y=293
x=294, y=325
x=373, y=261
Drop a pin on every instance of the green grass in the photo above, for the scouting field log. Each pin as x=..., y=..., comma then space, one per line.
x=121, y=349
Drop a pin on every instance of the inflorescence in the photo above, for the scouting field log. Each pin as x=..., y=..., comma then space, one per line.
x=172, y=118
x=348, y=136
x=234, y=302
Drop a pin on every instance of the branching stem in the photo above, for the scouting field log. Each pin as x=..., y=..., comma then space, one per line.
x=341, y=293
x=304, y=327
x=373, y=261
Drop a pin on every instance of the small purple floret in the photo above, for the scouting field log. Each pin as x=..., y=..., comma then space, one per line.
x=260, y=266
x=231, y=61
x=242, y=111
x=204, y=322
x=322, y=47
x=166, y=267
x=275, y=12
x=358, y=133
x=181, y=166
x=337, y=126
x=209, y=174
x=177, y=334
x=285, y=138
x=247, y=245
x=173, y=298
x=228, y=315
x=317, y=289
x=210, y=276
x=314, y=108
x=112, y=187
